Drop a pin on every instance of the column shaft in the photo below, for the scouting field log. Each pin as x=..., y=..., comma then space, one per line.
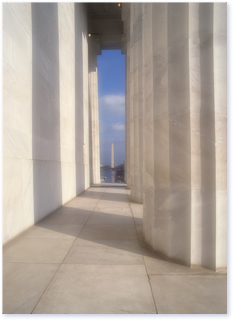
x=136, y=104
x=126, y=16
x=182, y=70
x=220, y=106
x=148, y=128
x=94, y=112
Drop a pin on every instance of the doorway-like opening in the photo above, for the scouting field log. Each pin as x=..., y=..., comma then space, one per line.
x=111, y=94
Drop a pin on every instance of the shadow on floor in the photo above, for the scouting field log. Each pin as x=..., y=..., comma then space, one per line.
x=111, y=196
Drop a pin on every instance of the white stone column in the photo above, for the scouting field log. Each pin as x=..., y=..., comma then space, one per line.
x=148, y=128
x=45, y=110
x=130, y=105
x=86, y=122
x=136, y=103
x=179, y=132
x=195, y=108
x=17, y=121
x=93, y=50
x=184, y=131
x=202, y=134
x=220, y=107
x=156, y=179
x=126, y=51
x=208, y=134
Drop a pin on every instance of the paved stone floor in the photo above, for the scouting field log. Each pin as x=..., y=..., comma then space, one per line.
x=89, y=257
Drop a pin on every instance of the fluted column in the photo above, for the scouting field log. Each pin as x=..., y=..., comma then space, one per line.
x=136, y=103
x=156, y=174
x=203, y=162
x=126, y=51
x=179, y=132
x=184, y=131
x=148, y=127
x=207, y=60
x=220, y=106
x=93, y=50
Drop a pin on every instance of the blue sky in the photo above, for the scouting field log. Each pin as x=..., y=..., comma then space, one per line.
x=111, y=88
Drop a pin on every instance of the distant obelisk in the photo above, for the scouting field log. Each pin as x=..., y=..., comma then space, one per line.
x=112, y=162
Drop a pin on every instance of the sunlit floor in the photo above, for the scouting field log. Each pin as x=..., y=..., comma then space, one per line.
x=89, y=257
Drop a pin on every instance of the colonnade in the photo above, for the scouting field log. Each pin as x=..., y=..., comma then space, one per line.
x=176, y=117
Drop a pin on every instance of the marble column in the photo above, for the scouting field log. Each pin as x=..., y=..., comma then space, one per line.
x=184, y=128
x=126, y=51
x=136, y=103
x=45, y=110
x=202, y=120
x=220, y=109
x=156, y=174
x=93, y=50
x=207, y=34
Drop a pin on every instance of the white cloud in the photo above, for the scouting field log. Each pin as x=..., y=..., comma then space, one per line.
x=112, y=103
x=118, y=127
x=114, y=99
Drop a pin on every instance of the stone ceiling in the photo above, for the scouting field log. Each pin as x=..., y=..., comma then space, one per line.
x=104, y=20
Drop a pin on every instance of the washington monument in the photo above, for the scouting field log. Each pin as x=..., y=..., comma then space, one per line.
x=112, y=161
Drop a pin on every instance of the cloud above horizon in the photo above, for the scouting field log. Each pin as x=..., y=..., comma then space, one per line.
x=112, y=103
x=118, y=127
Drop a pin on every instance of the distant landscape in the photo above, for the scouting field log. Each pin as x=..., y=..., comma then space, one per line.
x=112, y=175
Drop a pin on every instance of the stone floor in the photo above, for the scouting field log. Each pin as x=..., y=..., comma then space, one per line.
x=89, y=257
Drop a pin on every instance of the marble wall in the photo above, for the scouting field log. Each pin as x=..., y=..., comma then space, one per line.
x=182, y=70
x=18, y=208
x=45, y=110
